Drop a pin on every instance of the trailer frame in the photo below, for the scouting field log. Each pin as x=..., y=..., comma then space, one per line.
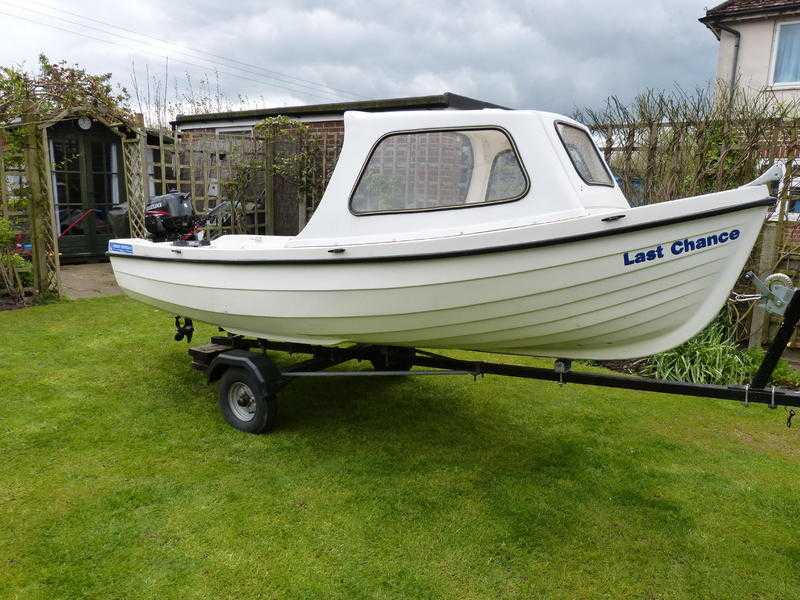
x=253, y=368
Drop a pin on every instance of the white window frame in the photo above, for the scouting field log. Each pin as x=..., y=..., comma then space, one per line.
x=774, y=58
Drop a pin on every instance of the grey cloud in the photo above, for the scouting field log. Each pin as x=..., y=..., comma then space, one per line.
x=551, y=55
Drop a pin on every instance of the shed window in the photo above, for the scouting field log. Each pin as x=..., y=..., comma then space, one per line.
x=584, y=155
x=429, y=170
x=787, y=54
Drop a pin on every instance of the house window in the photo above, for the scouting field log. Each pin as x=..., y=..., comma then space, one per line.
x=584, y=155
x=787, y=54
x=429, y=170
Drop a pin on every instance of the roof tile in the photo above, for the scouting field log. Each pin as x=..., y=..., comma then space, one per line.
x=732, y=8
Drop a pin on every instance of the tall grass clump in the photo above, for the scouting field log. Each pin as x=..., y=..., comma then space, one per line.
x=712, y=356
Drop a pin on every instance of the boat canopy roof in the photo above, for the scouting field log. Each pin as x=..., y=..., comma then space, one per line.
x=419, y=174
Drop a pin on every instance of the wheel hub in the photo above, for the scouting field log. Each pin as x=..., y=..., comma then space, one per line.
x=242, y=401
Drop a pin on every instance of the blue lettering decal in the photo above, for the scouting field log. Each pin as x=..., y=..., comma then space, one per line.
x=679, y=247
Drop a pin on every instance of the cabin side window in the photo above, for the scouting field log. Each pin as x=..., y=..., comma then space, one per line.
x=430, y=170
x=584, y=155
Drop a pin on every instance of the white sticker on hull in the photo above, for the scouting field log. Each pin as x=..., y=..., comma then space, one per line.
x=680, y=247
x=120, y=248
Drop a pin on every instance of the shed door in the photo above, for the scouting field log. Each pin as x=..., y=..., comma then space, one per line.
x=86, y=185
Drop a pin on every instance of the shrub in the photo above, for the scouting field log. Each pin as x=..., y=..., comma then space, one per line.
x=6, y=234
x=15, y=271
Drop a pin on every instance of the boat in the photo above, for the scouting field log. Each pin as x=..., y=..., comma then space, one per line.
x=492, y=230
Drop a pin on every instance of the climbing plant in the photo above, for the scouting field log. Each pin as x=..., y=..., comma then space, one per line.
x=36, y=98
x=293, y=154
x=286, y=153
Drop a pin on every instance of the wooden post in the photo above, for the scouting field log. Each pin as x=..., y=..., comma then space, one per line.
x=145, y=167
x=53, y=255
x=783, y=199
x=176, y=163
x=269, y=186
x=191, y=174
x=302, y=201
x=37, y=245
x=760, y=321
x=162, y=164
x=44, y=237
x=218, y=178
x=3, y=200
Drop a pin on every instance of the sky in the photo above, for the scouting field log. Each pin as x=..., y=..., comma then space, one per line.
x=550, y=55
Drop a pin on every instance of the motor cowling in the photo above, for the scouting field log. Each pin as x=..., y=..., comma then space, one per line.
x=169, y=216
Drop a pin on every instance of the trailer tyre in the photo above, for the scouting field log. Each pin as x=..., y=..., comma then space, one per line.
x=242, y=405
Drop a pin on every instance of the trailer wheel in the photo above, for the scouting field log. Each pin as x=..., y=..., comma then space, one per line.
x=242, y=405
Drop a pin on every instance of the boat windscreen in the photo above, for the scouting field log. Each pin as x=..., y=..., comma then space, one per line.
x=430, y=170
x=584, y=155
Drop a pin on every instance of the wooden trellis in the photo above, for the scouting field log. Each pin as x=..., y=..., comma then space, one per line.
x=203, y=165
x=135, y=183
x=42, y=216
x=235, y=168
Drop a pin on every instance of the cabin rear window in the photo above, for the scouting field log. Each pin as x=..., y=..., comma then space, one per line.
x=429, y=170
x=584, y=155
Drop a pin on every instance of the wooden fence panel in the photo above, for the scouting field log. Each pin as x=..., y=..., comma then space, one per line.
x=237, y=169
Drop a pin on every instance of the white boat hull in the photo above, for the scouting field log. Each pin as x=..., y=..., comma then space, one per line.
x=570, y=299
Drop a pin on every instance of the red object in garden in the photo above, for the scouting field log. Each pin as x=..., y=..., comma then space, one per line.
x=21, y=246
x=77, y=221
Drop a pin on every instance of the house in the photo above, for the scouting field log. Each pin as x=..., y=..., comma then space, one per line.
x=328, y=117
x=759, y=44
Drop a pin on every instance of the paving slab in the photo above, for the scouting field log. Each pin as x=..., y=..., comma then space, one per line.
x=88, y=281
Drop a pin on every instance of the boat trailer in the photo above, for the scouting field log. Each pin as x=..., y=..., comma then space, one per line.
x=250, y=381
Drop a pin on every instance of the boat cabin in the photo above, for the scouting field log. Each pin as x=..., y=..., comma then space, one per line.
x=420, y=174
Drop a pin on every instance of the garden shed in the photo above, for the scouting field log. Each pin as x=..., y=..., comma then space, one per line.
x=87, y=179
x=61, y=176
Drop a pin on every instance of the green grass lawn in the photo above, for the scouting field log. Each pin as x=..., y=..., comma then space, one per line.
x=120, y=479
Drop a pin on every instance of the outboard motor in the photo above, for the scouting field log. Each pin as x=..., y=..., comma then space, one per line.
x=118, y=219
x=169, y=217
